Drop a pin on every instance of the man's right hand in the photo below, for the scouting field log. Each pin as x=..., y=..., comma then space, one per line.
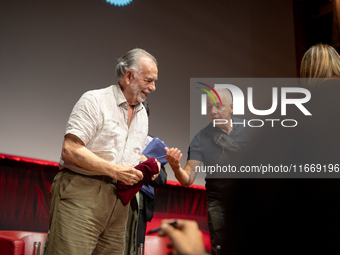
x=185, y=176
x=186, y=238
x=128, y=175
x=173, y=156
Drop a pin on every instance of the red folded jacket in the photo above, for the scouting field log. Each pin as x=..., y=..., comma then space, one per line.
x=126, y=192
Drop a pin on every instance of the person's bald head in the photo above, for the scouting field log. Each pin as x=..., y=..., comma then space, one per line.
x=218, y=110
x=225, y=95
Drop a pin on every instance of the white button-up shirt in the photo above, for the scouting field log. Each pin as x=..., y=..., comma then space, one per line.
x=99, y=119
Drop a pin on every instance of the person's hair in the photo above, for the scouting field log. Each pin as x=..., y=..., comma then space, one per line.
x=320, y=61
x=131, y=61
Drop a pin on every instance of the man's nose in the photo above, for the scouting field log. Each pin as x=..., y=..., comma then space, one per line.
x=213, y=109
x=152, y=86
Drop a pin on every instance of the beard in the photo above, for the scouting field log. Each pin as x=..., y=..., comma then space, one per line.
x=139, y=93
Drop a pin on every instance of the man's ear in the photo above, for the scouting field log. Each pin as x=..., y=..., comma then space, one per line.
x=232, y=107
x=128, y=77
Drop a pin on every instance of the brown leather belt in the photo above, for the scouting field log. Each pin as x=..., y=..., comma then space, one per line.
x=103, y=178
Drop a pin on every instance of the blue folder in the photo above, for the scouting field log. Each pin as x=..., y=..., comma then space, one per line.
x=155, y=149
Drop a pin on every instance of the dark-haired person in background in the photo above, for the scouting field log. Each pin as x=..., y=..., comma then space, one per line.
x=104, y=138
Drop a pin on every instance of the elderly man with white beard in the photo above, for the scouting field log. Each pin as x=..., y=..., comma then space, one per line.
x=104, y=137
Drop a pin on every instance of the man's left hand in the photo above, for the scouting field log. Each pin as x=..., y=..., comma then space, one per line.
x=159, y=169
x=143, y=158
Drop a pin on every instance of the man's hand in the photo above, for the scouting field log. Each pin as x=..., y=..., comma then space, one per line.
x=186, y=238
x=75, y=151
x=185, y=176
x=159, y=170
x=128, y=174
x=173, y=156
x=143, y=158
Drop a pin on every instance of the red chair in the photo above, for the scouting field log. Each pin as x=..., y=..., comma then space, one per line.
x=20, y=242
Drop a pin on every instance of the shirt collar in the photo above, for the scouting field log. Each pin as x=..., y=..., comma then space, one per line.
x=121, y=100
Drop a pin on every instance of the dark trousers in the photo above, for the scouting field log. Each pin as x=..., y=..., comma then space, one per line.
x=141, y=229
x=218, y=226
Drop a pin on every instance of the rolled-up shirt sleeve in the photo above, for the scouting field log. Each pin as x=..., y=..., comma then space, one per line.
x=84, y=119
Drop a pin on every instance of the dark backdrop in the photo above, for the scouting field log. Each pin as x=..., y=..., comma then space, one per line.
x=51, y=52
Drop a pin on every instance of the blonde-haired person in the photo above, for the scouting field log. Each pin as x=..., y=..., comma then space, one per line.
x=320, y=61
